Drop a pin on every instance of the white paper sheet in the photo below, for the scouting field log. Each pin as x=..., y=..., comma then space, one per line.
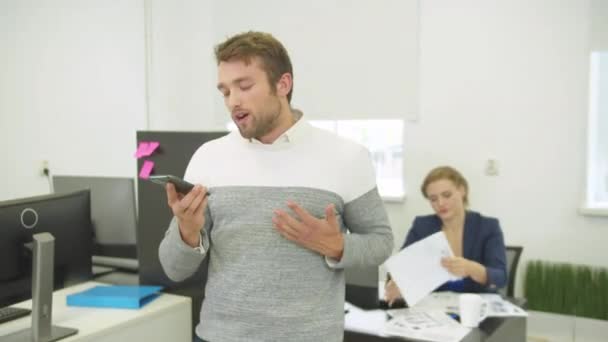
x=446, y=301
x=417, y=269
x=369, y=322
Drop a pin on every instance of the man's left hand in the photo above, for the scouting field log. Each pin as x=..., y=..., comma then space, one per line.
x=320, y=235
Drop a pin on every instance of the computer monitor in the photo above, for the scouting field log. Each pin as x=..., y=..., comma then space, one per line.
x=68, y=218
x=362, y=286
x=113, y=214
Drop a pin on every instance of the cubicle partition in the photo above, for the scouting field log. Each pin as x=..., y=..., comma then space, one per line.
x=171, y=157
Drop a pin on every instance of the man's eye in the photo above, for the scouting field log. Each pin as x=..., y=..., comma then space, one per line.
x=246, y=87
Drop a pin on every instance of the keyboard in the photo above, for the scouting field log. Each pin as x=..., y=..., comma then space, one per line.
x=9, y=313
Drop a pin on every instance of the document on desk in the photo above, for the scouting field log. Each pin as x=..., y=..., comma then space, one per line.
x=417, y=269
x=499, y=307
x=369, y=322
x=425, y=325
x=446, y=301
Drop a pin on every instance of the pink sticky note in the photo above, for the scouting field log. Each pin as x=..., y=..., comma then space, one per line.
x=146, y=169
x=146, y=148
x=141, y=149
x=152, y=146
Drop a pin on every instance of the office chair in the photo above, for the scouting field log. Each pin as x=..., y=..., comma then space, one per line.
x=362, y=287
x=513, y=254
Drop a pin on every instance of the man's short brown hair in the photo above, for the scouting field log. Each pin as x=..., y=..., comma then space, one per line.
x=248, y=45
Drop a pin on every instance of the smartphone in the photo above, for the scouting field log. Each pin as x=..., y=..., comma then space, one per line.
x=181, y=185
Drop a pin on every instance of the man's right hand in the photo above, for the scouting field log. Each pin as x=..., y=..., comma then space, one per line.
x=190, y=212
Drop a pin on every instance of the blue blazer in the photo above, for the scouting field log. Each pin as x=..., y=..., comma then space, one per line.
x=482, y=242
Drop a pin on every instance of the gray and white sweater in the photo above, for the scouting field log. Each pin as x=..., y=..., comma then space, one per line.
x=261, y=286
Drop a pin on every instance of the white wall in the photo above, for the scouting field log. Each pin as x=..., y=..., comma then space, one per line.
x=496, y=83
x=502, y=79
x=345, y=48
x=508, y=80
x=181, y=70
x=71, y=89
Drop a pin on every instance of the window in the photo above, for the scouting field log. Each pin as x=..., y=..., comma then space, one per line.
x=384, y=140
x=597, y=155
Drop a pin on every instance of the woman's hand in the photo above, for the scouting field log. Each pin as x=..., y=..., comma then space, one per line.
x=391, y=292
x=458, y=266
x=462, y=267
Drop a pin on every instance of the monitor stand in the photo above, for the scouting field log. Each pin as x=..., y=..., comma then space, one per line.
x=42, y=296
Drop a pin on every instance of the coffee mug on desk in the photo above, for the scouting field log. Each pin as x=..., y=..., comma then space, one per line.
x=472, y=308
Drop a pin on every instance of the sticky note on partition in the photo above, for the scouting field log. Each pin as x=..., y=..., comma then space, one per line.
x=152, y=146
x=146, y=169
x=146, y=148
x=141, y=149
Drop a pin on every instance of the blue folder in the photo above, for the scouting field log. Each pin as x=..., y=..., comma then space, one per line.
x=115, y=296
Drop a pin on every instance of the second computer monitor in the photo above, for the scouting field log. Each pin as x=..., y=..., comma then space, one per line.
x=112, y=211
x=67, y=217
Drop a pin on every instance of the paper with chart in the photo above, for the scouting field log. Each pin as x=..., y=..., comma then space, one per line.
x=499, y=307
x=425, y=325
x=446, y=301
x=417, y=268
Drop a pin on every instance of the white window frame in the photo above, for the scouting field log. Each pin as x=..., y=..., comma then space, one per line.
x=394, y=196
x=596, y=176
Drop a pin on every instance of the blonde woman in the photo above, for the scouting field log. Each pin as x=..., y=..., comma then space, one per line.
x=476, y=240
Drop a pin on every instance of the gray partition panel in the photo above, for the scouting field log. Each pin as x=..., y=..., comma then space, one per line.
x=171, y=157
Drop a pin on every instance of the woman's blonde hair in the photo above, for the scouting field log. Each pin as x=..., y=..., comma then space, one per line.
x=449, y=173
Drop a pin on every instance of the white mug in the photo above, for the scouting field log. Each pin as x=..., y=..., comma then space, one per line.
x=473, y=309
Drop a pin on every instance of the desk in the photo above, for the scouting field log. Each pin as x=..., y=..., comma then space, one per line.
x=492, y=329
x=167, y=318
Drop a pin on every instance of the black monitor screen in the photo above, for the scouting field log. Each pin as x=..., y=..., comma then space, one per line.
x=112, y=212
x=67, y=217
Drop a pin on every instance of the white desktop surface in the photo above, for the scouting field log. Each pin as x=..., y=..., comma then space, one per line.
x=166, y=318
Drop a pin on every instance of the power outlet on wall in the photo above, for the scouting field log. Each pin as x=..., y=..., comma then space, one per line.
x=44, y=168
x=492, y=167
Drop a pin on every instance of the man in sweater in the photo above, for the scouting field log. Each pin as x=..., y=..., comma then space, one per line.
x=271, y=208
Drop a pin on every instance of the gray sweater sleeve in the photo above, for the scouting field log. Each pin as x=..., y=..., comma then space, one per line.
x=370, y=241
x=179, y=260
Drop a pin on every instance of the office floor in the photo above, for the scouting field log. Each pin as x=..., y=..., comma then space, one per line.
x=548, y=327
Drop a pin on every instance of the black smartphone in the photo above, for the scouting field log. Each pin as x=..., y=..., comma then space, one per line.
x=181, y=185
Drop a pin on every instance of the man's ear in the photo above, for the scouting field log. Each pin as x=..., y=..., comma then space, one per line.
x=284, y=84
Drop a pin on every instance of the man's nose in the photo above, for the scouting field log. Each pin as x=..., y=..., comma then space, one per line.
x=233, y=100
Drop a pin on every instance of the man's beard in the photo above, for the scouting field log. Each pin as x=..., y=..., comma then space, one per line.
x=262, y=124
